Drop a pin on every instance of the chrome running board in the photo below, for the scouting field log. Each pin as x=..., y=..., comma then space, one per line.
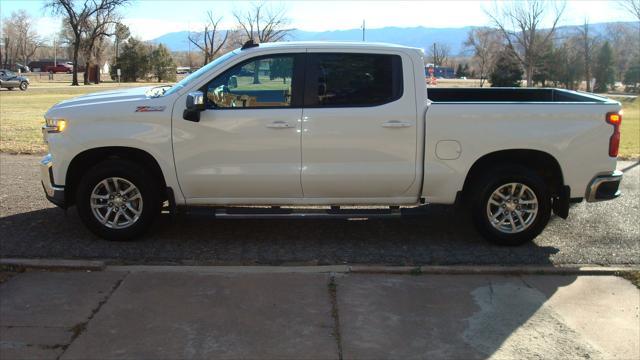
x=303, y=213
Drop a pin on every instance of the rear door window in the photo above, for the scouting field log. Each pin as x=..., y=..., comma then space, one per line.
x=352, y=79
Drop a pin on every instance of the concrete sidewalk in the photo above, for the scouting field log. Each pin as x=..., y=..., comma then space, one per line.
x=137, y=314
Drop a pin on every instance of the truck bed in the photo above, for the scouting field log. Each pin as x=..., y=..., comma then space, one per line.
x=446, y=95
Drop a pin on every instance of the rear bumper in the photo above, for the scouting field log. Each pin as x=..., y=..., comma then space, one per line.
x=53, y=192
x=604, y=187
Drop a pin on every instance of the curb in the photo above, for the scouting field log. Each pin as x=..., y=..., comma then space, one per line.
x=54, y=264
x=494, y=270
x=231, y=269
x=96, y=265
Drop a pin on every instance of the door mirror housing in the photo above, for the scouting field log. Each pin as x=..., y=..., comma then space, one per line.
x=195, y=104
x=195, y=101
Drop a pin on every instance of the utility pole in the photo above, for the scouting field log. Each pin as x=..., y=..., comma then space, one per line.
x=435, y=56
x=189, y=42
x=55, y=53
x=363, y=29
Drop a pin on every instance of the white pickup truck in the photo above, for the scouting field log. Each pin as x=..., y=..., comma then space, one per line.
x=329, y=130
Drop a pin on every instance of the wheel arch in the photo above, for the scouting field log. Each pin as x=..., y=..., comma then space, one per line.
x=543, y=163
x=88, y=158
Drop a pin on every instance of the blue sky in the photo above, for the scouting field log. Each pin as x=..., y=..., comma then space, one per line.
x=149, y=19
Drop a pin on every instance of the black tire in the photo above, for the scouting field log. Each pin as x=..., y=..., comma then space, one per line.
x=493, y=179
x=24, y=86
x=131, y=172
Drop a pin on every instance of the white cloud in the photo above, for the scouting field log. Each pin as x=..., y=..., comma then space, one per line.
x=148, y=29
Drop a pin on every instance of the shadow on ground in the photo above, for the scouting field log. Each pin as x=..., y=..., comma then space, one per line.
x=443, y=236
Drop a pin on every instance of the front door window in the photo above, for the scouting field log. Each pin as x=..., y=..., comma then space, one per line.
x=258, y=83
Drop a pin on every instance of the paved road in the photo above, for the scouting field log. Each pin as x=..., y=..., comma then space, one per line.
x=602, y=233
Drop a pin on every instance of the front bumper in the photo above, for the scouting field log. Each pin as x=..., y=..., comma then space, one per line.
x=604, y=187
x=53, y=192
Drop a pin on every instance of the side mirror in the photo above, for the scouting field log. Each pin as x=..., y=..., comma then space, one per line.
x=195, y=101
x=233, y=82
x=195, y=104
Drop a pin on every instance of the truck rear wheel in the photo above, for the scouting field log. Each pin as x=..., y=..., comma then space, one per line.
x=511, y=205
x=117, y=201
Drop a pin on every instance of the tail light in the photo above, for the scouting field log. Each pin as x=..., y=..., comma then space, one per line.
x=614, y=118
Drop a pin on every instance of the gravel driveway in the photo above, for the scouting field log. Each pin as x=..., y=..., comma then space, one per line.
x=602, y=233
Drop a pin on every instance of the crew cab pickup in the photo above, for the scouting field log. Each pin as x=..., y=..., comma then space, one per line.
x=329, y=130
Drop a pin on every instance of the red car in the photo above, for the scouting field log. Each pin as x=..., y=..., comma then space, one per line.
x=60, y=68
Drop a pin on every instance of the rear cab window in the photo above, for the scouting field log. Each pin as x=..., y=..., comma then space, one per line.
x=352, y=79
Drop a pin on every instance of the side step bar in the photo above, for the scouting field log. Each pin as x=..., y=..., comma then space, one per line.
x=302, y=213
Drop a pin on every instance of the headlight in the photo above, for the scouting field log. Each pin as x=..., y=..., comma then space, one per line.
x=55, y=125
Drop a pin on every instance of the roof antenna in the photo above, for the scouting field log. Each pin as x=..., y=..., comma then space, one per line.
x=249, y=44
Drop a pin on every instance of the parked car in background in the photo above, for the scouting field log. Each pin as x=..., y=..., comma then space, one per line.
x=331, y=124
x=59, y=68
x=11, y=80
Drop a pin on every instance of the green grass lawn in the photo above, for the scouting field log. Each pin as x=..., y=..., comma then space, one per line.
x=21, y=114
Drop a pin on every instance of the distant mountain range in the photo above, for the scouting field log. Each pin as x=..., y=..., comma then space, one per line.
x=420, y=37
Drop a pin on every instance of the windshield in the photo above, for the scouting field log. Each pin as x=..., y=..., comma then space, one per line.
x=203, y=70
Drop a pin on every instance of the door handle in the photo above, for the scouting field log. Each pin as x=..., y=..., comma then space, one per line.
x=396, y=124
x=279, y=125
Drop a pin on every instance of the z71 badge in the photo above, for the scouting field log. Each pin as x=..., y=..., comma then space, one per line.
x=149, y=108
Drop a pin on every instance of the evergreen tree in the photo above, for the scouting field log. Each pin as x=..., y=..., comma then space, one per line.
x=507, y=71
x=569, y=65
x=462, y=70
x=632, y=76
x=545, y=66
x=604, y=68
x=162, y=64
x=133, y=61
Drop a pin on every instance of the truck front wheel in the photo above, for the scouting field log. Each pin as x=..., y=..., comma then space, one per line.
x=117, y=201
x=511, y=205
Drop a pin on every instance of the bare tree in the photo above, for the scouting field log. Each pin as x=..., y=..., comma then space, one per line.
x=66, y=39
x=208, y=45
x=121, y=33
x=263, y=24
x=79, y=14
x=28, y=40
x=21, y=40
x=101, y=25
x=520, y=22
x=439, y=54
x=485, y=43
x=624, y=40
x=9, y=47
x=587, y=43
x=633, y=6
